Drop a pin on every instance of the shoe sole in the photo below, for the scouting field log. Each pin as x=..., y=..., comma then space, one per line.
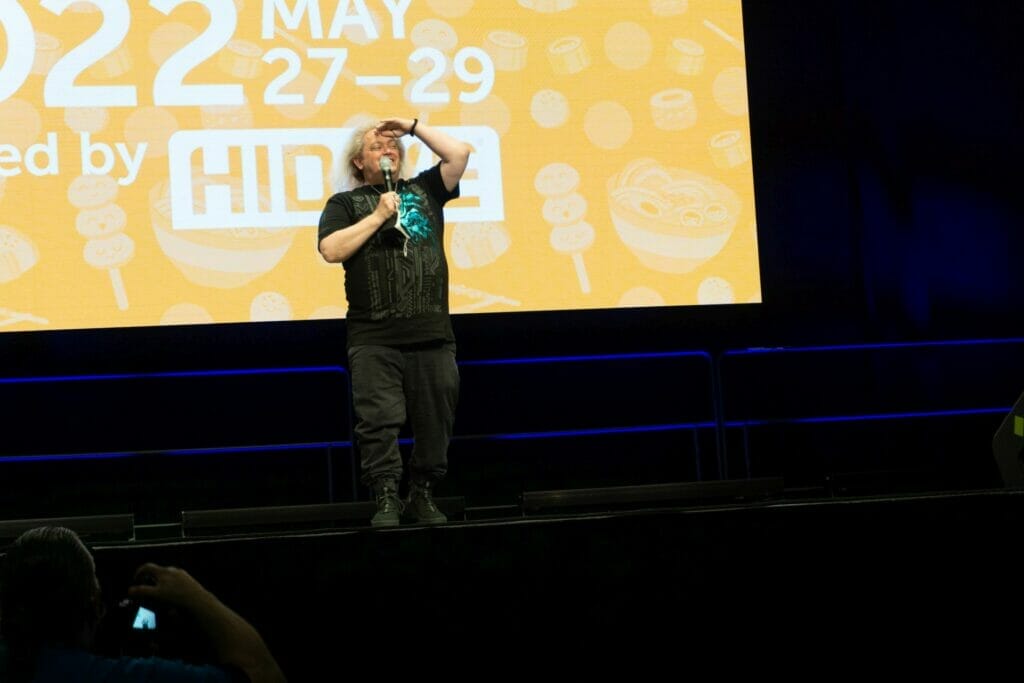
x=384, y=525
x=413, y=520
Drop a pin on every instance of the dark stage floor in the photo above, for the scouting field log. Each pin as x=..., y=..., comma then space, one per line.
x=624, y=573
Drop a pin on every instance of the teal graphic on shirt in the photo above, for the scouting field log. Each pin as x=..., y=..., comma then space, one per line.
x=414, y=216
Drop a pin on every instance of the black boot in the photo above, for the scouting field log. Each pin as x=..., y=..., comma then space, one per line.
x=389, y=505
x=420, y=505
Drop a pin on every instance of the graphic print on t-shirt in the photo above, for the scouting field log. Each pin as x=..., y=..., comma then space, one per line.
x=415, y=215
x=406, y=279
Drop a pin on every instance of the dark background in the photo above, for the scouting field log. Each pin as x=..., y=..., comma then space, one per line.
x=886, y=141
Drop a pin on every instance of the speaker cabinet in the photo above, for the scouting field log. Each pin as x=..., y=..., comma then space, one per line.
x=1008, y=446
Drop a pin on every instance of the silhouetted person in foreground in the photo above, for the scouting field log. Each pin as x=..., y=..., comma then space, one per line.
x=51, y=608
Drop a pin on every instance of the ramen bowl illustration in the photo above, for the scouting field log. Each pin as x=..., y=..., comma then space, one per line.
x=672, y=219
x=222, y=258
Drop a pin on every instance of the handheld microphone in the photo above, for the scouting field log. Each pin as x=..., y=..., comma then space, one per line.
x=385, y=166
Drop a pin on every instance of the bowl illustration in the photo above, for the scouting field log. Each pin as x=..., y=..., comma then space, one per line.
x=221, y=258
x=672, y=219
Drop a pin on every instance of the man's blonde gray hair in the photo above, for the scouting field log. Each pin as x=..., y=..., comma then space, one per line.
x=350, y=175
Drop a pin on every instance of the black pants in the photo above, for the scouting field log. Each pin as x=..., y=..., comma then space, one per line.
x=390, y=385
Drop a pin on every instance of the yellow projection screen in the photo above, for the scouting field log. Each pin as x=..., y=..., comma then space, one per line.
x=165, y=162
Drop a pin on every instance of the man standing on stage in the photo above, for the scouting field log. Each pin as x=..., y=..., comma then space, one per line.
x=388, y=232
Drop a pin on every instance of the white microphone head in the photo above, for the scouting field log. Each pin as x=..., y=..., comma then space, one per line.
x=385, y=164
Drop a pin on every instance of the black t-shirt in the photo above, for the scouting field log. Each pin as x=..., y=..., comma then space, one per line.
x=397, y=288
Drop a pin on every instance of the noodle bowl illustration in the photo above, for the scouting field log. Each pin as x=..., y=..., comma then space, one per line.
x=672, y=219
x=224, y=258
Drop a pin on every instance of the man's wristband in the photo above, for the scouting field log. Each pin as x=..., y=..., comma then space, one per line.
x=412, y=130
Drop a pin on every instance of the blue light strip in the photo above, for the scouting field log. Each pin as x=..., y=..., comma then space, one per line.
x=213, y=450
x=863, y=347
x=561, y=433
x=557, y=434
x=182, y=373
x=520, y=436
x=259, y=449
x=67, y=456
x=867, y=418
